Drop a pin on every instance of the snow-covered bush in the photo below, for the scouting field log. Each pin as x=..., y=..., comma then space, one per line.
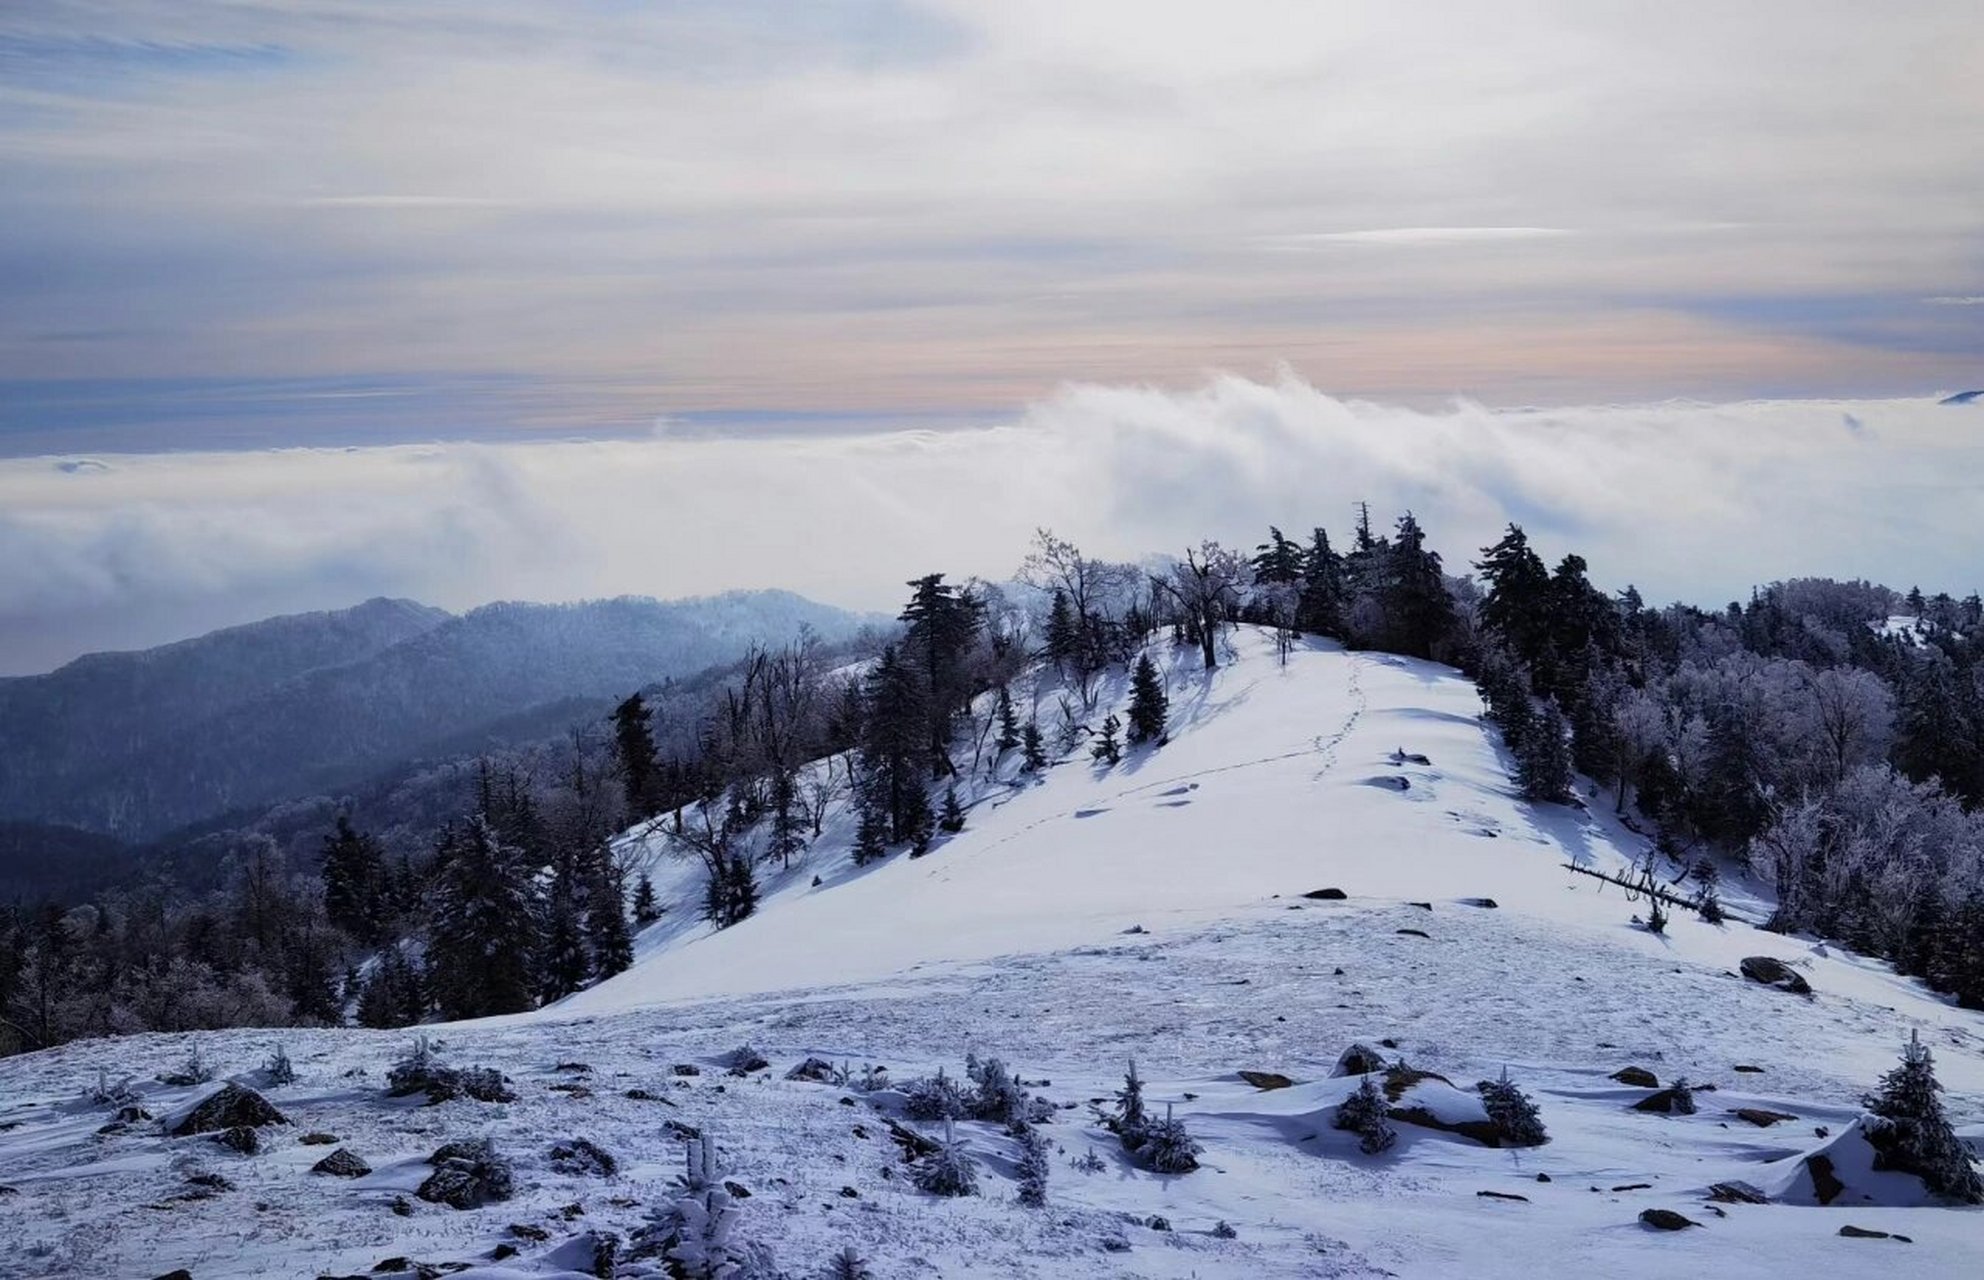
x=949, y=1170
x=996, y=1096
x=1364, y=1113
x=468, y=1175
x=935, y=1098
x=106, y=1094
x=1513, y=1112
x=195, y=1070
x=1913, y=1135
x=422, y=1071
x=1130, y=1117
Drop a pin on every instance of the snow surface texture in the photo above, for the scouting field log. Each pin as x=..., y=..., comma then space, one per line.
x=1152, y=910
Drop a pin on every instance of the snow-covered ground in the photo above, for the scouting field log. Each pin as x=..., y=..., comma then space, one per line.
x=1153, y=910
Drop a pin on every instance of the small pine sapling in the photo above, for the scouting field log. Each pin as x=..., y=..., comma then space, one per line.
x=1107, y=749
x=1364, y=1113
x=1131, y=1118
x=1167, y=1147
x=949, y=1170
x=277, y=1068
x=1512, y=1111
x=935, y=1098
x=847, y=1265
x=1033, y=748
x=647, y=909
x=951, y=819
x=1912, y=1134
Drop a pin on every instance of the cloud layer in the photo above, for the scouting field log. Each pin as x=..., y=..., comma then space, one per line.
x=1687, y=500
x=621, y=212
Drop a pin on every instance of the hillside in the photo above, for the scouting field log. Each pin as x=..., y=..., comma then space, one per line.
x=1153, y=910
x=139, y=744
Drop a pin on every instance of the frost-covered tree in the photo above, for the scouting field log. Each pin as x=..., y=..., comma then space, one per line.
x=1207, y=587
x=1512, y=1111
x=951, y=817
x=1008, y=722
x=606, y=914
x=1167, y=1147
x=848, y=1264
x=1033, y=748
x=1034, y=1167
x=565, y=963
x=393, y=994
x=483, y=942
x=633, y=739
x=1131, y=1117
x=699, y=1230
x=647, y=909
x=1148, y=704
x=355, y=883
x=1914, y=1135
x=934, y=1098
x=1365, y=1114
x=1543, y=756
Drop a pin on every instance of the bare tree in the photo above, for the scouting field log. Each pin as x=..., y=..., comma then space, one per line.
x=1207, y=587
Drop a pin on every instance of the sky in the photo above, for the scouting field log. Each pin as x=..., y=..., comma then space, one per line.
x=241, y=237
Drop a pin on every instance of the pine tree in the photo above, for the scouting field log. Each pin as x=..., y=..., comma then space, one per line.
x=1148, y=704
x=646, y=909
x=1512, y=1111
x=1131, y=1117
x=1321, y=605
x=1365, y=1114
x=1515, y=606
x=894, y=744
x=1167, y=1147
x=354, y=874
x=952, y=817
x=483, y=941
x=949, y=1170
x=1543, y=756
x=871, y=837
x=848, y=1264
x=1009, y=722
x=1033, y=748
x=943, y=624
x=1107, y=749
x=392, y=995
x=1063, y=634
x=1914, y=1135
x=633, y=740
x=566, y=964
x=1277, y=561
x=1034, y=1167
x=606, y=914
x=1419, y=611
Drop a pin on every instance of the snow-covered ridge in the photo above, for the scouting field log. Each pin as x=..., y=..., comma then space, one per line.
x=1153, y=910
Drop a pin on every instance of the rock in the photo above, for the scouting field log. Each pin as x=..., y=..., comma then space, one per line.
x=817, y=1070
x=686, y=1069
x=524, y=1231
x=1737, y=1193
x=181, y=1274
x=1666, y=1220
x=1744, y=1068
x=441, y=1083
x=1266, y=1080
x=1852, y=1232
x=1430, y=1101
x=1543, y=1177
x=1115, y=1244
x=1358, y=1060
x=581, y=1068
x=1413, y=933
x=1676, y=1101
x=574, y=1091
x=1423, y=906
x=1826, y=1185
x=467, y=1175
x=1488, y=904
x=240, y=1139
x=1761, y=1118
x=1403, y=756
x=231, y=1106
x=1158, y=1222
x=1326, y=895
x=1502, y=1195
x=318, y=1139
x=1773, y=972
x=642, y=1095
x=402, y=1207
x=581, y=1158
x=745, y=1061
x=1638, y=1077
x=341, y=1164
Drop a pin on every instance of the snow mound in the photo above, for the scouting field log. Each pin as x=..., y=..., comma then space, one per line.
x=1840, y=1172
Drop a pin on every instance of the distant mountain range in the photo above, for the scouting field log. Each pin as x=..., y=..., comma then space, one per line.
x=134, y=745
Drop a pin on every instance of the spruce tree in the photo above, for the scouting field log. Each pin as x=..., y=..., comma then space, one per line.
x=951, y=819
x=566, y=965
x=355, y=891
x=483, y=942
x=646, y=909
x=1148, y=705
x=392, y=994
x=1543, y=756
x=1512, y=1111
x=1365, y=1114
x=894, y=744
x=606, y=915
x=1914, y=1136
x=1515, y=606
x=1063, y=634
x=1033, y=748
x=1320, y=606
x=871, y=837
x=1106, y=748
x=1009, y=722
x=633, y=740
x=1034, y=1167
x=1418, y=610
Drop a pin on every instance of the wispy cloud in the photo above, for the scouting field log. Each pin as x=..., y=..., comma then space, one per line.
x=1414, y=236
x=1696, y=501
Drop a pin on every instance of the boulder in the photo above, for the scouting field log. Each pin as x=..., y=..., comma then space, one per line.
x=1266, y=1080
x=1638, y=1077
x=1736, y=1193
x=232, y=1106
x=1487, y=904
x=341, y=1164
x=1676, y=1101
x=1430, y=1101
x=745, y=1061
x=241, y=1139
x=1358, y=1060
x=1413, y=933
x=467, y=1175
x=1773, y=972
x=581, y=1158
x=1666, y=1220
x=1760, y=1117
x=817, y=1070
x=318, y=1139
x=1326, y=895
